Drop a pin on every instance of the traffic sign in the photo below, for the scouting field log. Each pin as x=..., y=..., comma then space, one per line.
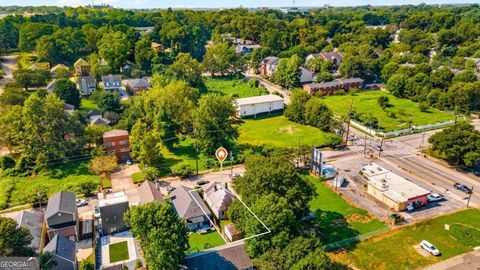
x=221, y=154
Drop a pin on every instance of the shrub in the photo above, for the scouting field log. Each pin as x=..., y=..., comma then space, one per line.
x=353, y=92
x=6, y=162
x=182, y=169
x=254, y=83
x=87, y=188
x=423, y=107
x=210, y=163
x=340, y=92
x=277, y=93
x=150, y=173
x=383, y=101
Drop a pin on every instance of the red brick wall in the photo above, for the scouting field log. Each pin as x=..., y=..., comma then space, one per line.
x=118, y=145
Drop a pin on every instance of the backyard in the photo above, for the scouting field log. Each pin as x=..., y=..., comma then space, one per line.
x=236, y=88
x=118, y=251
x=398, y=249
x=280, y=132
x=16, y=190
x=199, y=242
x=339, y=219
x=395, y=116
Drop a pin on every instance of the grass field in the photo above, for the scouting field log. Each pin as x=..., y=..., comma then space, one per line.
x=25, y=60
x=338, y=219
x=396, y=249
x=199, y=242
x=394, y=117
x=118, y=251
x=18, y=190
x=280, y=132
x=88, y=105
x=232, y=87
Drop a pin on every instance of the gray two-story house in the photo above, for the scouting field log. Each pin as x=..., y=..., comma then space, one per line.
x=112, y=208
x=64, y=253
x=189, y=205
x=61, y=216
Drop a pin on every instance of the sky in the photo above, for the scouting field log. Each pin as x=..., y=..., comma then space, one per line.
x=222, y=3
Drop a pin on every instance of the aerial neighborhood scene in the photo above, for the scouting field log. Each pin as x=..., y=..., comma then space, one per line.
x=218, y=135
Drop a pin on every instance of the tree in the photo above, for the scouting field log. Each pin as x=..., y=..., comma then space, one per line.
x=296, y=109
x=14, y=240
x=113, y=47
x=47, y=261
x=288, y=72
x=67, y=91
x=146, y=144
x=185, y=68
x=441, y=77
x=213, y=123
x=30, y=33
x=397, y=85
x=158, y=228
x=103, y=166
x=87, y=188
x=30, y=78
x=109, y=101
x=144, y=54
x=383, y=102
x=222, y=59
x=466, y=76
x=317, y=114
x=13, y=95
x=324, y=77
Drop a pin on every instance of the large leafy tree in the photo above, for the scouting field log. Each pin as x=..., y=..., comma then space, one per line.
x=222, y=59
x=109, y=101
x=187, y=69
x=161, y=233
x=213, y=123
x=68, y=92
x=288, y=72
x=146, y=144
x=317, y=114
x=14, y=240
x=397, y=85
x=296, y=110
x=113, y=47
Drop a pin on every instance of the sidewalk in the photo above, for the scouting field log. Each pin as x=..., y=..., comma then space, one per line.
x=468, y=261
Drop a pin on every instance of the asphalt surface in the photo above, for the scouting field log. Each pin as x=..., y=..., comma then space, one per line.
x=8, y=64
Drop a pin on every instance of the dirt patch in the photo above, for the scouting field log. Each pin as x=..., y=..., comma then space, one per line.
x=355, y=217
x=421, y=251
x=288, y=129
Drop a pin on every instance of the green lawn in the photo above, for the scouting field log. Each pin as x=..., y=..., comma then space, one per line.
x=66, y=177
x=199, y=242
x=118, y=252
x=400, y=110
x=232, y=87
x=88, y=105
x=395, y=250
x=280, y=132
x=338, y=219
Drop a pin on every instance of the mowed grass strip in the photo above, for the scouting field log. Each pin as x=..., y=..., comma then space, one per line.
x=280, y=132
x=338, y=218
x=232, y=87
x=199, y=242
x=396, y=250
x=118, y=251
x=366, y=103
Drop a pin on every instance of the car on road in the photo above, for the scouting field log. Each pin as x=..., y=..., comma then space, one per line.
x=435, y=197
x=462, y=188
x=201, y=183
x=96, y=212
x=81, y=203
x=429, y=248
x=170, y=189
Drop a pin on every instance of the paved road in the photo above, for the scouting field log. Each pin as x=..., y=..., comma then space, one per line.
x=8, y=64
x=468, y=261
x=271, y=87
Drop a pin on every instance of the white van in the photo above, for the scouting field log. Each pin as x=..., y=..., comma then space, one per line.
x=328, y=171
x=429, y=248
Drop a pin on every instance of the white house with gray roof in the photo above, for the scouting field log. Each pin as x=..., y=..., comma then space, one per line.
x=190, y=207
x=61, y=216
x=219, y=198
x=112, y=82
x=64, y=253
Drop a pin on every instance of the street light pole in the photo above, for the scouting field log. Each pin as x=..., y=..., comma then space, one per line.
x=469, y=197
x=423, y=138
x=380, y=148
x=365, y=145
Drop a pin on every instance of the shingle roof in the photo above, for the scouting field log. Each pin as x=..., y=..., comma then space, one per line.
x=271, y=60
x=149, y=193
x=218, y=197
x=233, y=257
x=62, y=247
x=111, y=78
x=94, y=112
x=68, y=107
x=81, y=61
x=325, y=84
x=306, y=76
x=62, y=201
x=138, y=83
x=59, y=66
x=188, y=205
x=33, y=221
x=86, y=80
x=100, y=121
x=351, y=80
x=115, y=133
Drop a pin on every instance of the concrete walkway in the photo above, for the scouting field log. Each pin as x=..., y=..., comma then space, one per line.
x=468, y=261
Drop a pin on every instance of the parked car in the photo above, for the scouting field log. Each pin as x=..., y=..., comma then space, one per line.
x=96, y=212
x=170, y=189
x=429, y=248
x=435, y=197
x=201, y=183
x=81, y=203
x=129, y=162
x=328, y=171
x=462, y=188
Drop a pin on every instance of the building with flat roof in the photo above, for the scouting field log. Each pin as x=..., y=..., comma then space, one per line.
x=392, y=189
x=112, y=208
x=252, y=106
x=117, y=142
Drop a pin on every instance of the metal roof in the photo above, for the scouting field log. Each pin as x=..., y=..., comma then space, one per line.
x=258, y=99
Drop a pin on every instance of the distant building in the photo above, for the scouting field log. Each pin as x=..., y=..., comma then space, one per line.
x=112, y=207
x=253, y=106
x=335, y=57
x=329, y=88
x=112, y=82
x=68, y=108
x=225, y=258
x=33, y=222
x=58, y=70
x=136, y=86
x=268, y=66
x=149, y=192
x=117, y=142
x=61, y=216
x=393, y=190
x=51, y=86
x=82, y=67
x=190, y=207
x=157, y=47
x=64, y=253
x=219, y=198
x=96, y=118
x=86, y=85
x=306, y=76
x=242, y=49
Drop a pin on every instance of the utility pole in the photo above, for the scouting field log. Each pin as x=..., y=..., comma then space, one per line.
x=350, y=109
x=196, y=153
x=423, y=138
x=365, y=145
x=231, y=164
x=380, y=148
x=469, y=197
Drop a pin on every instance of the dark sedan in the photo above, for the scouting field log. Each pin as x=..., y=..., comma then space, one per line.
x=462, y=188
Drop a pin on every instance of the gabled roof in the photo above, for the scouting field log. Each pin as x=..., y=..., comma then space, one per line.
x=111, y=78
x=218, y=197
x=94, y=112
x=270, y=60
x=33, y=221
x=51, y=85
x=115, y=133
x=87, y=79
x=330, y=55
x=228, y=258
x=62, y=247
x=100, y=121
x=138, y=83
x=306, y=76
x=63, y=202
x=57, y=67
x=68, y=107
x=149, y=192
x=188, y=205
x=81, y=61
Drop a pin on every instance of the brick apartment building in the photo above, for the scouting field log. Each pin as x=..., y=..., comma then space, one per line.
x=117, y=142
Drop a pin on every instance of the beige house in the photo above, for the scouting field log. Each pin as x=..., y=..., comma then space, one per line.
x=82, y=67
x=59, y=69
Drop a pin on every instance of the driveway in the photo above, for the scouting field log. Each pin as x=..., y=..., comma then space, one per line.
x=272, y=87
x=8, y=64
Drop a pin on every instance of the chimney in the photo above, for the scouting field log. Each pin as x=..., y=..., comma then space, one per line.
x=226, y=185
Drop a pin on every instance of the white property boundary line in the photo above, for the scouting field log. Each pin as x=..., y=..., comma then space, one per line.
x=219, y=231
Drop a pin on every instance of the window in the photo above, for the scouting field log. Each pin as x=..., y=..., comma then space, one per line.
x=123, y=142
x=114, y=218
x=106, y=220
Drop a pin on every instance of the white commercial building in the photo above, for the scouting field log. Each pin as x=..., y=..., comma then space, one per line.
x=252, y=106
